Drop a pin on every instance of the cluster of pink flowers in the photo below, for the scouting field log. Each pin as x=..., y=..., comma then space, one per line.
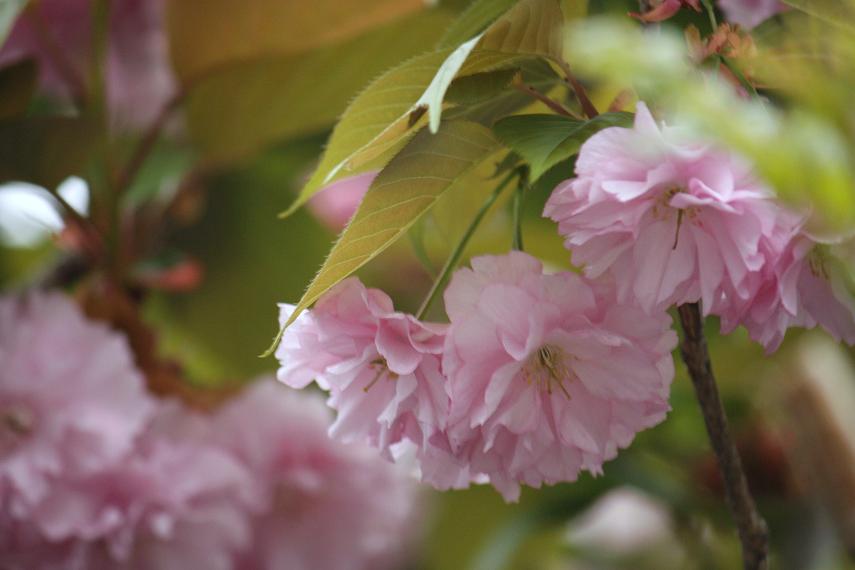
x=672, y=220
x=537, y=376
x=95, y=473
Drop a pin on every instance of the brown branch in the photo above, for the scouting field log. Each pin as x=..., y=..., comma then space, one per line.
x=579, y=89
x=534, y=93
x=145, y=145
x=753, y=533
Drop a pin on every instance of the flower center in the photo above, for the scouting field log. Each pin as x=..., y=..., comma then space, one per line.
x=817, y=259
x=662, y=211
x=379, y=364
x=16, y=423
x=547, y=368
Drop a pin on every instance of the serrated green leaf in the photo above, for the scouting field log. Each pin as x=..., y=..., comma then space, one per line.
x=474, y=20
x=9, y=10
x=474, y=89
x=532, y=27
x=407, y=188
x=245, y=106
x=44, y=150
x=545, y=140
x=17, y=85
x=381, y=120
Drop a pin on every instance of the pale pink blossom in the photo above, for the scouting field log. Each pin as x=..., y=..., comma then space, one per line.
x=139, y=79
x=71, y=400
x=548, y=374
x=328, y=505
x=673, y=220
x=799, y=287
x=174, y=502
x=381, y=367
x=750, y=13
x=335, y=204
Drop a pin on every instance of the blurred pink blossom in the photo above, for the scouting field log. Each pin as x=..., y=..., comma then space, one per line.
x=335, y=204
x=139, y=79
x=381, y=367
x=799, y=287
x=671, y=219
x=71, y=401
x=548, y=374
x=329, y=505
x=750, y=13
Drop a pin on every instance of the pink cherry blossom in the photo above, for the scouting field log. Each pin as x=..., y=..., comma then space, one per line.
x=548, y=374
x=174, y=502
x=138, y=76
x=799, y=287
x=335, y=204
x=71, y=401
x=381, y=367
x=750, y=13
x=671, y=219
x=329, y=505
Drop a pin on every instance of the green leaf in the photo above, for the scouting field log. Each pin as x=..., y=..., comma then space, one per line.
x=474, y=89
x=380, y=121
x=532, y=27
x=475, y=19
x=840, y=13
x=407, y=188
x=242, y=107
x=17, y=85
x=207, y=34
x=9, y=10
x=545, y=140
x=44, y=150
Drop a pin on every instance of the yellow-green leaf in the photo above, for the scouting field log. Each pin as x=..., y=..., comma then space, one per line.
x=407, y=188
x=475, y=19
x=380, y=121
x=241, y=107
x=205, y=34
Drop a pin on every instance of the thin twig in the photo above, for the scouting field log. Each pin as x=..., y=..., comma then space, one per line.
x=145, y=145
x=519, y=195
x=753, y=533
x=551, y=103
x=579, y=89
x=454, y=257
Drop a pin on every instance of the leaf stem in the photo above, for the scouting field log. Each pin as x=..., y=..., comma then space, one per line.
x=579, y=89
x=146, y=144
x=753, y=533
x=457, y=252
x=551, y=103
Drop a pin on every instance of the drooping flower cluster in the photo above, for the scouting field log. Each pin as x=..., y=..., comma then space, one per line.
x=95, y=473
x=536, y=377
x=673, y=220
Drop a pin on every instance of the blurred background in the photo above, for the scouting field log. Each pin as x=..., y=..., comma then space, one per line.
x=233, y=102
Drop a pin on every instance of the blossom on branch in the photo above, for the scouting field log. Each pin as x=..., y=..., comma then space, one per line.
x=548, y=374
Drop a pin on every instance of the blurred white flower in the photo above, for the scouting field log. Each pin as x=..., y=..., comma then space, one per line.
x=29, y=214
